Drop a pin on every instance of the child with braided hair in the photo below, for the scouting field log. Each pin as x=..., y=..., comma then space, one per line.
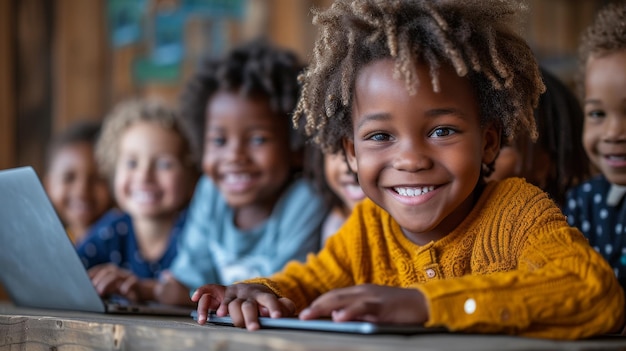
x=420, y=94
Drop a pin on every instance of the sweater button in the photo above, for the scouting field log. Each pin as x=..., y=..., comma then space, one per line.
x=505, y=315
x=431, y=273
x=470, y=306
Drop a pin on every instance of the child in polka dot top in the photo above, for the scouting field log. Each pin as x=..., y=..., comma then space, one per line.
x=419, y=95
x=145, y=153
x=597, y=206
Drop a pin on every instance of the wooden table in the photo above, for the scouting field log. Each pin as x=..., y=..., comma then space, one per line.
x=30, y=329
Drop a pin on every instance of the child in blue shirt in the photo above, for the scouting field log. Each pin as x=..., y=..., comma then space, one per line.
x=146, y=154
x=251, y=212
x=73, y=182
x=596, y=206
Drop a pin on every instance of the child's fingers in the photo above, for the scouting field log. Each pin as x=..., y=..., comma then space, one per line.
x=216, y=292
x=250, y=312
x=276, y=308
x=324, y=305
x=356, y=311
x=127, y=288
x=235, y=312
x=208, y=297
x=106, y=284
x=93, y=272
x=289, y=306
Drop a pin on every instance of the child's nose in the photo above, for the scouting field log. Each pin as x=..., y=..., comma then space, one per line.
x=82, y=187
x=411, y=157
x=236, y=152
x=615, y=128
x=145, y=172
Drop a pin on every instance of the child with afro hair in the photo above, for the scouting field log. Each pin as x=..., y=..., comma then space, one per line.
x=420, y=94
x=251, y=212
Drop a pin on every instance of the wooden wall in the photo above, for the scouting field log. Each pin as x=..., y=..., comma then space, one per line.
x=57, y=65
x=7, y=85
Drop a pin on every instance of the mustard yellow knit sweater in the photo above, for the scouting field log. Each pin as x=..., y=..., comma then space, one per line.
x=514, y=257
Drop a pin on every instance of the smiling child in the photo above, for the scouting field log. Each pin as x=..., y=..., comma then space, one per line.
x=419, y=95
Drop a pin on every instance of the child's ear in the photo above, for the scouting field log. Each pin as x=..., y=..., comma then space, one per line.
x=491, y=143
x=348, y=149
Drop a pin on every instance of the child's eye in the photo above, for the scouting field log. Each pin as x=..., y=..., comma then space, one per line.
x=442, y=132
x=596, y=114
x=130, y=164
x=68, y=178
x=258, y=140
x=164, y=164
x=378, y=137
x=216, y=141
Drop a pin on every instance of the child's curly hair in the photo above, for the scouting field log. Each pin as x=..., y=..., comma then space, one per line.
x=606, y=35
x=256, y=68
x=472, y=36
x=126, y=114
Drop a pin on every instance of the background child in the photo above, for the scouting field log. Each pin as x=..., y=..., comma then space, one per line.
x=76, y=188
x=557, y=160
x=420, y=95
x=251, y=213
x=146, y=154
x=337, y=184
x=597, y=206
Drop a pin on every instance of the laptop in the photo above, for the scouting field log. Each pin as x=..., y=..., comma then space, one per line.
x=327, y=325
x=39, y=264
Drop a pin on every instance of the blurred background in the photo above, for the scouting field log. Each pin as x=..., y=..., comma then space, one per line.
x=67, y=60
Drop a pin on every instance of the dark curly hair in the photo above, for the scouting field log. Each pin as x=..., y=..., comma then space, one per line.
x=606, y=35
x=81, y=131
x=471, y=36
x=256, y=68
x=559, y=119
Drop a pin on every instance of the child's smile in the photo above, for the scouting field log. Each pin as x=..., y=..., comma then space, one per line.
x=150, y=180
x=605, y=115
x=247, y=151
x=419, y=156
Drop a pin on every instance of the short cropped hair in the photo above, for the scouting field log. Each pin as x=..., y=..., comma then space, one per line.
x=82, y=131
x=473, y=37
x=256, y=68
x=126, y=114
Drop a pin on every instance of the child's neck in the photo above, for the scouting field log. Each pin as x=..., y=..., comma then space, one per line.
x=342, y=212
x=153, y=235
x=250, y=217
x=77, y=232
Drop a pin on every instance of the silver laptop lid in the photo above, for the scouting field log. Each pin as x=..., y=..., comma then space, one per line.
x=39, y=266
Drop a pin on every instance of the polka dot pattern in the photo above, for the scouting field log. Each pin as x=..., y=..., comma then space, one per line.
x=112, y=240
x=587, y=209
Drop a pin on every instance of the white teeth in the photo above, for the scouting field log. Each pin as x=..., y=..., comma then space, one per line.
x=79, y=206
x=414, y=191
x=236, y=178
x=612, y=157
x=144, y=196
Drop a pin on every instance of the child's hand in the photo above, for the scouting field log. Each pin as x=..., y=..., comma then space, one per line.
x=109, y=279
x=243, y=302
x=371, y=303
x=170, y=291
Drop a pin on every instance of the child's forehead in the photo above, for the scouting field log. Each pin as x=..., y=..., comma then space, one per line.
x=74, y=148
x=228, y=106
x=423, y=76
